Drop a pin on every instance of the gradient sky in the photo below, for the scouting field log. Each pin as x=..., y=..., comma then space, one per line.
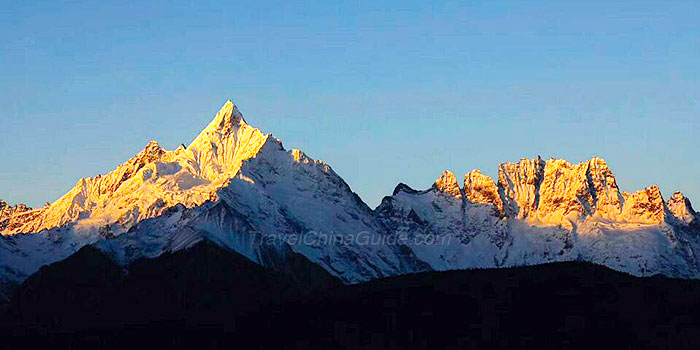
x=385, y=92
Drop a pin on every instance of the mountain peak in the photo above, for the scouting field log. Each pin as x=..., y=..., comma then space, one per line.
x=679, y=205
x=521, y=185
x=229, y=114
x=151, y=152
x=227, y=120
x=644, y=206
x=224, y=143
x=299, y=156
x=402, y=187
x=447, y=183
x=598, y=161
x=479, y=188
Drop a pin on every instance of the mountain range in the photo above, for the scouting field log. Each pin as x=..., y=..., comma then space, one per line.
x=239, y=188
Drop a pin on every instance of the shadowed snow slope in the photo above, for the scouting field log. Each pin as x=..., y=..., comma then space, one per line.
x=238, y=187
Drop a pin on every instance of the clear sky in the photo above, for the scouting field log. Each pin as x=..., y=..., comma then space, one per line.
x=385, y=92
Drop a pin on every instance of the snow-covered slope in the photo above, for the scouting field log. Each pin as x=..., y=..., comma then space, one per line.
x=240, y=188
x=279, y=202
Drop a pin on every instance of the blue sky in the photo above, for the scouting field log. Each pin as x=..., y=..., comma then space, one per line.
x=385, y=92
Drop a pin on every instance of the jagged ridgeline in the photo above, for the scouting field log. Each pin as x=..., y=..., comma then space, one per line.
x=240, y=189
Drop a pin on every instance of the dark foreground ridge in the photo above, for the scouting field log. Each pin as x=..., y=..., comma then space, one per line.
x=208, y=297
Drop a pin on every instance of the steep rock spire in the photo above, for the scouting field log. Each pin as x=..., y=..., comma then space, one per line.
x=226, y=121
x=679, y=206
x=520, y=183
x=447, y=183
x=574, y=191
x=224, y=144
x=603, y=188
x=645, y=206
x=479, y=188
x=564, y=192
x=9, y=213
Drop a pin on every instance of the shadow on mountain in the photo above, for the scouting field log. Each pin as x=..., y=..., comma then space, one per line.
x=208, y=297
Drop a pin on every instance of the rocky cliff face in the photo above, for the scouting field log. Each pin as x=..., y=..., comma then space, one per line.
x=12, y=215
x=557, y=192
x=520, y=184
x=646, y=206
x=572, y=192
x=240, y=188
x=479, y=188
x=447, y=183
x=679, y=206
x=220, y=149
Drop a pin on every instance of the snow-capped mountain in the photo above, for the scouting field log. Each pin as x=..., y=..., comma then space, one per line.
x=239, y=188
x=233, y=185
x=545, y=211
